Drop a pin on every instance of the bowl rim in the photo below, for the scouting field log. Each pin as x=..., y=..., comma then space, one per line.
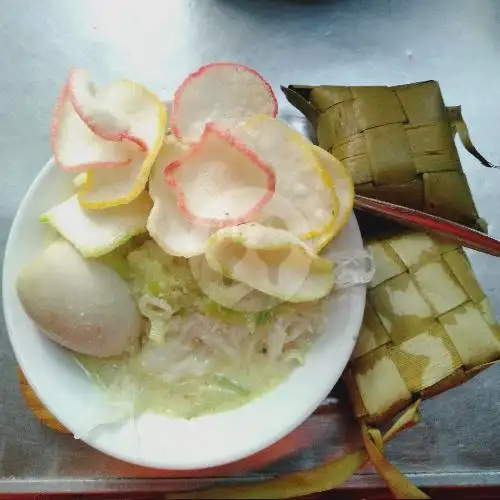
x=359, y=293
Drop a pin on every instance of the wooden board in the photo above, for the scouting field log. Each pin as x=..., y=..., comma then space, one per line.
x=37, y=406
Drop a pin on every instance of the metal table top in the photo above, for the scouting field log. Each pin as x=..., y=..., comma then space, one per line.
x=340, y=41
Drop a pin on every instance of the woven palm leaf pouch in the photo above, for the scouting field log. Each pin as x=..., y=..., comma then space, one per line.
x=427, y=325
x=396, y=142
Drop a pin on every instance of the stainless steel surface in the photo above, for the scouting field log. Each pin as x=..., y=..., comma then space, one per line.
x=344, y=41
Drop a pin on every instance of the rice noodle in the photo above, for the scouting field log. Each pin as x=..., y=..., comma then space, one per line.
x=198, y=357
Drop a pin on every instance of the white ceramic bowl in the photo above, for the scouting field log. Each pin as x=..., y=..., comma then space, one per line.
x=154, y=440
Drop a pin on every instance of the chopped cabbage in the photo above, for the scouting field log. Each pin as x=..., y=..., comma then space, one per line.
x=198, y=357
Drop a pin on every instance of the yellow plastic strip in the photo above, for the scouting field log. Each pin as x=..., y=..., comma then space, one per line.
x=400, y=486
x=323, y=478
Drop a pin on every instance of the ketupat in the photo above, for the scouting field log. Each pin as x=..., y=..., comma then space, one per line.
x=427, y=326
x=396, y=142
